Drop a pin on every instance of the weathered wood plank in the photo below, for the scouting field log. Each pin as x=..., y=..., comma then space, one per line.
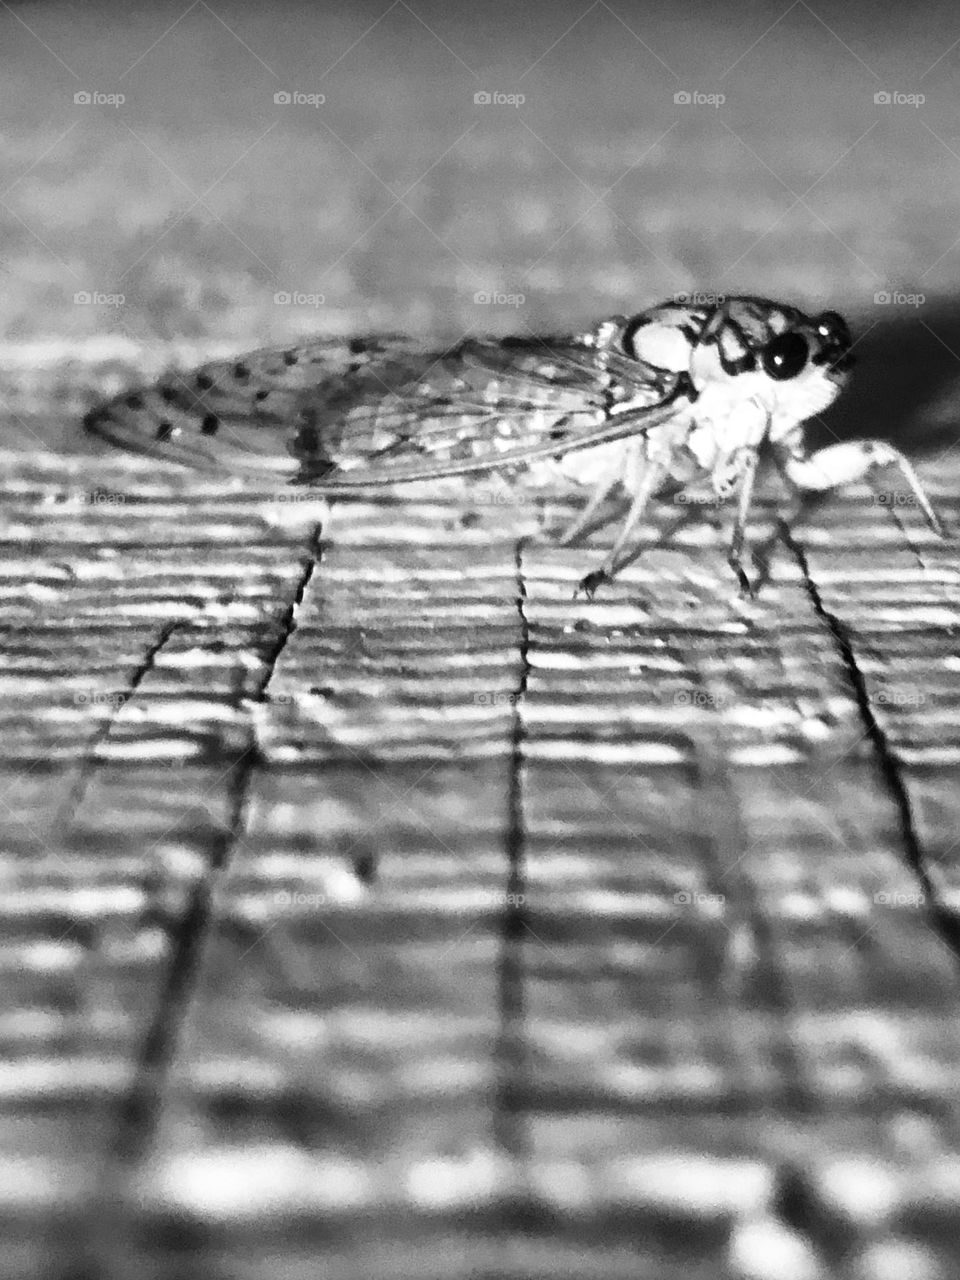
x=386, y=904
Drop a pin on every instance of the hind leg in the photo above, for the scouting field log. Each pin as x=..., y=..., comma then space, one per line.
x=608, y=481
x=651, y=479
x=840, y=464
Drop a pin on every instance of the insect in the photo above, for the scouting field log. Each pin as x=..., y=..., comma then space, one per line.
x=674, y=394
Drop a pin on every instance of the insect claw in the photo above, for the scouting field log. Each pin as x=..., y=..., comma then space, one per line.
x=747, y=588
x=588, y=586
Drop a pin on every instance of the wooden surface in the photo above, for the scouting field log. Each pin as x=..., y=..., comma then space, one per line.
x=371, y=909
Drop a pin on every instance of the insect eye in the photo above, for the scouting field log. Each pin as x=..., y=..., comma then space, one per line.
x=833, y=328
x=785, y=356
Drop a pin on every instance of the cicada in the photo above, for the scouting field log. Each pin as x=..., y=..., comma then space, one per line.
x=676, y=394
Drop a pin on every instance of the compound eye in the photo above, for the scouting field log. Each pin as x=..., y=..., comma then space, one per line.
x=785, y=356
x=833, y=328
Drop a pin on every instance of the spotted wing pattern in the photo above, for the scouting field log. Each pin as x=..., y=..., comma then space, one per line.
x=344, y=414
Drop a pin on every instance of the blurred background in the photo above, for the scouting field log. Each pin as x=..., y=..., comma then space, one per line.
x=205, y=177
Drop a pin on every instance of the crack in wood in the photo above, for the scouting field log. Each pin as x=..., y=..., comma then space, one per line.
x=511, y=1050
x=945, y=921
x=89, y=760
x=141, y=1107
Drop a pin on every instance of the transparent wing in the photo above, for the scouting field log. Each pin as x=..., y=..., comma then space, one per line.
x=346, y=414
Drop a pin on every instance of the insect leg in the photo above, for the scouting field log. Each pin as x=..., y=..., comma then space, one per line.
x=802, y=502
x=843, y=463
x=652, y=478
x=603, y=488
x=735, y=557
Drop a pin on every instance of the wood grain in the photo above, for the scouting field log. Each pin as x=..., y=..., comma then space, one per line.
x=370, y=901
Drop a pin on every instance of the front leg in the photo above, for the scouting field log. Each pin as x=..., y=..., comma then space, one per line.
x=726, y=442
x=735, y=558
x=853, y=460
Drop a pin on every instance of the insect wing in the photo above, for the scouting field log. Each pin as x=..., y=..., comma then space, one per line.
x=350, y=414
x=241, y=413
